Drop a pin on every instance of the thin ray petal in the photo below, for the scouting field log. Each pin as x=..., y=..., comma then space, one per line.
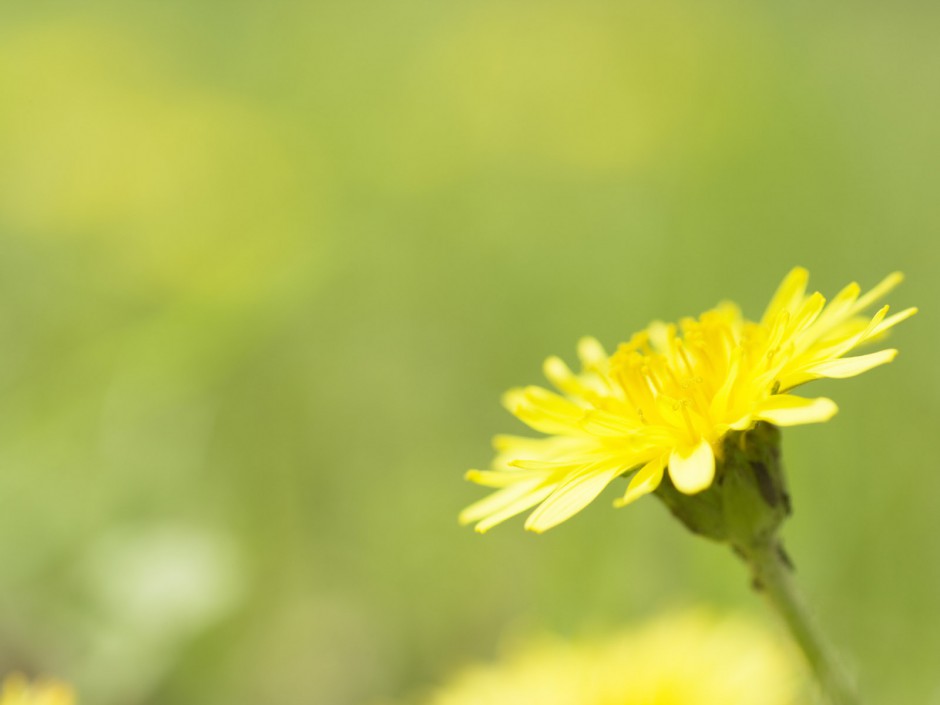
x=498, y=501
x=789, y=292
x=891, y=321
x=512, y=509
x=500, y=478
x=643, y=482
x=591, y=353
x=878, y=291
x=791, y=410
x=570, y=498
x=851, y=366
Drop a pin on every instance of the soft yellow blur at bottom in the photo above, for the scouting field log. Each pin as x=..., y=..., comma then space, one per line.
x=19, y=691
x=682, y=658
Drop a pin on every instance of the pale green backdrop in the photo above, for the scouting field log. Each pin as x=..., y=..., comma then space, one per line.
x=266, y=267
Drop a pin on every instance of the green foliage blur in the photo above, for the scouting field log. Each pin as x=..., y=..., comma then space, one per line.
x=266, y=268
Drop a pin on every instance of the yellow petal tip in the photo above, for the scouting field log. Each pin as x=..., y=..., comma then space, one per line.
x=554, y=367
x=512, y=398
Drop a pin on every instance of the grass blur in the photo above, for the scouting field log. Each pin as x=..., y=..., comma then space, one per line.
x=267, y=267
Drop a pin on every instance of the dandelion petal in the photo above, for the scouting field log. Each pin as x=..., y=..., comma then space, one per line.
x=878, y=291
x=693, y=472
x=591, y=352
x=851, y=366
x=788, y=294
x=569, y=499
x=892, y=321
x=791, y=410
x=517, y=506
x=496, y=502
x=643, y=482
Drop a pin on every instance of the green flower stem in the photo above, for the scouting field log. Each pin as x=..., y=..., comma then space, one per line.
x=773, y=575
x=744, y=507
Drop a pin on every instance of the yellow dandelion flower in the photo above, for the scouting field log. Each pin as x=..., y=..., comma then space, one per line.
x=19, y=691
x=665, y=400
x=686, y=658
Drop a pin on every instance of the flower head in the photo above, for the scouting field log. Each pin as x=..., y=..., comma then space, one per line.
x=664, y=401
x=18, y=691
x=687, y=658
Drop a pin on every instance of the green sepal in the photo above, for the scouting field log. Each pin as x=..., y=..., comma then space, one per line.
x=747, y=501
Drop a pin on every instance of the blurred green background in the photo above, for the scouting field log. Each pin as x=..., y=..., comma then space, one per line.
x=265, y=269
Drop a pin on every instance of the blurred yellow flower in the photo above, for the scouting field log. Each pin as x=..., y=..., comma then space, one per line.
x=18, y=691
x=688, y=658
x=665, y=400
